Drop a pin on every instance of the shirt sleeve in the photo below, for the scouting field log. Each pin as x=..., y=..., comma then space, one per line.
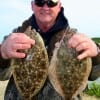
x=95, y=73
x=4, y=67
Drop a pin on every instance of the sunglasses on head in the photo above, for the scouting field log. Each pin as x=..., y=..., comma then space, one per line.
x=50, y=3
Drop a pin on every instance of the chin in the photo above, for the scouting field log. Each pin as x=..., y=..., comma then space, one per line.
x=45, y=20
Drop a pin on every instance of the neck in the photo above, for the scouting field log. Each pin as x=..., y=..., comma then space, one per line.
x=44, y=27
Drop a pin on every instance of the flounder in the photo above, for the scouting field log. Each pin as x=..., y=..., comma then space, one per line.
x=30, y=72
x=67, y=74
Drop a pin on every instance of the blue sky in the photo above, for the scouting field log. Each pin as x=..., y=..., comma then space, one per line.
x=82, y=14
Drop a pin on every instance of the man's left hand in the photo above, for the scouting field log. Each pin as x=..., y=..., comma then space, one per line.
x=82, y=43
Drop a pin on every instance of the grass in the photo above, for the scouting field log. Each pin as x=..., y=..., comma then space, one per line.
x=96, y=39
x=93, y=90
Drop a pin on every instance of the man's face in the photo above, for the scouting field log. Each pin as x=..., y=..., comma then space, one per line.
x=45, y=14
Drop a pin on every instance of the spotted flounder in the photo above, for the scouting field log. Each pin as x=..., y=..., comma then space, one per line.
x=67, y=74
x=30, y=72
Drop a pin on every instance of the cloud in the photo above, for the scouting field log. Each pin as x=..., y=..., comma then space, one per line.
x=14, y=4
x=82, y=14
x=14, y=7
x=13, y=12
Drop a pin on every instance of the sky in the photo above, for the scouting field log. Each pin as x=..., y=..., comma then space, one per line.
x=81, y=14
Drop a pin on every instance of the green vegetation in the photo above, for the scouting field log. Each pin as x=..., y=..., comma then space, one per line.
x=93, y=90
x=96, y=39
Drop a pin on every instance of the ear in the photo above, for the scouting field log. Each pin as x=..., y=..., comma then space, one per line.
x=60, y=4
x=32, y=5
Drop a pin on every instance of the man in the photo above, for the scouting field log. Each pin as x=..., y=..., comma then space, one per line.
x=48, y=19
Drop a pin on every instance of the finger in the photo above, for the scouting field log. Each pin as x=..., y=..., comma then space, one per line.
x=13, y=55
x=74, y=44
x=73, y=41
x=76, y=39
x=25, y=41
x=82, y=46
x=21, y=46
x=17, y=55
x=83, y=55
x=22, y=38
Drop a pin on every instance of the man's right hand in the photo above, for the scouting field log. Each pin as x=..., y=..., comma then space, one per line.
x=15, y=42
